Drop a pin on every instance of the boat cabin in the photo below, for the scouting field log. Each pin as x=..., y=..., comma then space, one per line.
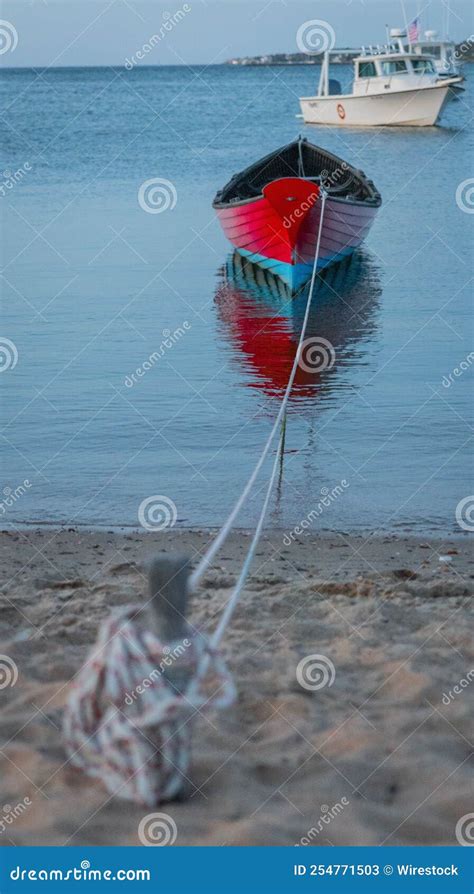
x=389, y=69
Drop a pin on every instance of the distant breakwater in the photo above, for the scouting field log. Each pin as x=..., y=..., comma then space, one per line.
x=464, y=53
x=342, y=58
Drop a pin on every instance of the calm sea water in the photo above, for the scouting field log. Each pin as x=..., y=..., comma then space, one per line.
x=94, y=286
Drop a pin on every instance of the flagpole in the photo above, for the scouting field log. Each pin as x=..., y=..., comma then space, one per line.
x=406, y=23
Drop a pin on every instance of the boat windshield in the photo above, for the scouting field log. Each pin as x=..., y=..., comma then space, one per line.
x=423, y=66
x=394, y=66
x=367, y=70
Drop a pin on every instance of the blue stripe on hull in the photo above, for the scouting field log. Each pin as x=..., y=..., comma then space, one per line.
x=294, y=275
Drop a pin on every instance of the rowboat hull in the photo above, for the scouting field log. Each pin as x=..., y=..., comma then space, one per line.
x=260, y=232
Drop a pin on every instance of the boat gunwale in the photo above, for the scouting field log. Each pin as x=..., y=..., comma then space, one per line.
x=371, y=202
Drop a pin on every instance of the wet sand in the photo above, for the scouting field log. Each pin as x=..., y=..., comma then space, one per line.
x=380, y=756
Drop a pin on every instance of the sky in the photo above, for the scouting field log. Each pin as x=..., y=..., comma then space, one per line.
x=44, y=33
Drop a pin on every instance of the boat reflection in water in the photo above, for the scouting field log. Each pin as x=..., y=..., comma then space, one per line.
x=263, y=320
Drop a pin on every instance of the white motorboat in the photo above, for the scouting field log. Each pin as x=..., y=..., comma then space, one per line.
x=392, y=86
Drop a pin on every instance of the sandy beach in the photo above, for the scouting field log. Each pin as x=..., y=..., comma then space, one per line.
x=381, y=756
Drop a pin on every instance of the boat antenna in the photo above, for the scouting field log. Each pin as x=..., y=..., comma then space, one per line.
x=448, y=16
x=402, y=3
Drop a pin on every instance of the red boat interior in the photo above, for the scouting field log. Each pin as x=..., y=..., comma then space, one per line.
x=303, y=160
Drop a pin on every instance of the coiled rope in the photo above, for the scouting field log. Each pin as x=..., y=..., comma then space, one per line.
x=124, y=724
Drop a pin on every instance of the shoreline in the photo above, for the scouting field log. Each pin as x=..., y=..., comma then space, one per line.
x=386, y=614
x=434, y=533
x=379, y=552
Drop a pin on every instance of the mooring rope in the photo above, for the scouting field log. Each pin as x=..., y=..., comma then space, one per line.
x=141, y=747
x=228, y=524
x=225, y=530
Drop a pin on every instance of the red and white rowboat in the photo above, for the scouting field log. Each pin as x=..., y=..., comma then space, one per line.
x=271, y=210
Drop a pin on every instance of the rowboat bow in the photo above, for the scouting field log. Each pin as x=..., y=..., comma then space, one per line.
x=271, y=211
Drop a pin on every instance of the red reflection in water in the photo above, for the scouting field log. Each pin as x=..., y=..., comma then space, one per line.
x=263, y=320
x=267, y=342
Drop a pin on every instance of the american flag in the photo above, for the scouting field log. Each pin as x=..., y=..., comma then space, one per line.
x=413, y=31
